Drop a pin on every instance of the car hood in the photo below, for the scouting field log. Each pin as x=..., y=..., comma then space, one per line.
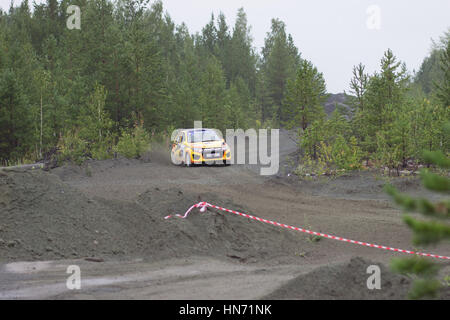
x=207, y=144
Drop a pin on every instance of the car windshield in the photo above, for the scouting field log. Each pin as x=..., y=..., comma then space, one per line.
x=202, y=136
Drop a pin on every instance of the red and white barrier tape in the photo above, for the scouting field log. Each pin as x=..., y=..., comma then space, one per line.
x=203, y=205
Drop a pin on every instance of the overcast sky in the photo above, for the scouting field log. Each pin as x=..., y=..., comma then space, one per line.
x=334, y=35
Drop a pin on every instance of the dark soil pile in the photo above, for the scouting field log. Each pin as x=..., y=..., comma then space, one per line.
x=42, y=218
x=355, y=185
x=344, y=281
x=347, y=281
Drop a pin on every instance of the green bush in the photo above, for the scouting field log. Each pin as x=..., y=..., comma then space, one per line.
x=133, y=144
x=346, y=155
x=327, y=157
x=72, y=147
x=103, y=150
x=311, y=167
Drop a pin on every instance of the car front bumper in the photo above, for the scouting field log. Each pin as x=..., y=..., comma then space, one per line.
x=197, y=157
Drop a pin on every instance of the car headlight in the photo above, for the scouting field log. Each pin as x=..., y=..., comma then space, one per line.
x=197, y=150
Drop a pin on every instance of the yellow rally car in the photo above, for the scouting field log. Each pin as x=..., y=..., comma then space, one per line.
x=197, y=146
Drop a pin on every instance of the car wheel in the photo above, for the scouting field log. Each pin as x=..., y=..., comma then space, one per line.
x=174, y=160
x=187, y=160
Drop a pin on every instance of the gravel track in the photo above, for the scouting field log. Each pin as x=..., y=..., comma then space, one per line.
x=112, y=212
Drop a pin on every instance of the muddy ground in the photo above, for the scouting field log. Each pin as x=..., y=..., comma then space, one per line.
x=108, y=218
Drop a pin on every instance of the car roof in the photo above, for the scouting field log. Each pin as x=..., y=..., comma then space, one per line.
x=219, y=134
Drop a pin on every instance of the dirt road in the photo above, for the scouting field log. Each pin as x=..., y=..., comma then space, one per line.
x=141, y=255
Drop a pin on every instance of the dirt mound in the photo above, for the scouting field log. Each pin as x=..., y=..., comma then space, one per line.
x=355, y=185
x=344, y=281
x=338, y=100
x=348, y=281
x=72, y=171
x=42, y=217
x=224, y=234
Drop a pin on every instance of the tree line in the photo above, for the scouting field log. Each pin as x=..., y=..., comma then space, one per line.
x=394, y=116
x=129, y=73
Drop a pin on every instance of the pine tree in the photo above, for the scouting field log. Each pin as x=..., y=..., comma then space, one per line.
x=443, y=88
x=15, y=124
x=303, y=102
x=242, y=60
x=358, y=85
x=212, y=94
x=279, y=62
x=431, y=72
x=144, y=65
x=208, y=38
x=384, y=97
x=223, y=47
x=185, y=89
x=433, y=230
